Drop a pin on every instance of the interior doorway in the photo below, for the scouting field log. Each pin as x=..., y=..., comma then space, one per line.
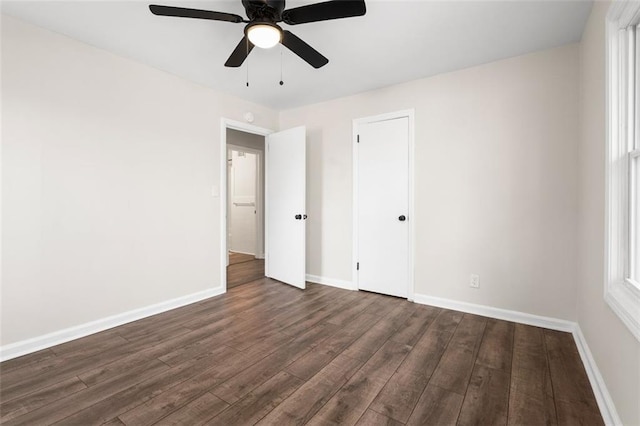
x=245, y=207
x=383, y=204
x=283, y=200
x=245, y=227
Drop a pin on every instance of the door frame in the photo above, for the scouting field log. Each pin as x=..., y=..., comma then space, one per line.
x=409, y=114
x=259, y=205
x=225, y=124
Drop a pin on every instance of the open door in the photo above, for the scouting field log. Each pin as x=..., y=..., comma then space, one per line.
x=285, y=206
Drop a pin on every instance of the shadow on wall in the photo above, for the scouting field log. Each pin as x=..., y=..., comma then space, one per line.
x=314, y=199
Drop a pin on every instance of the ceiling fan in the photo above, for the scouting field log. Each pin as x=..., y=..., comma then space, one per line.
x=262, y=28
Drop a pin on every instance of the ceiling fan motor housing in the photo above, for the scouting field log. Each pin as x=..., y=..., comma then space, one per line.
x=264, y=10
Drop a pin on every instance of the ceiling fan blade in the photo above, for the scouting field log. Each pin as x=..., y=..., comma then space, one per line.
x=182, y=12
x=240, y=53
x=325, y=11
x=302, y=49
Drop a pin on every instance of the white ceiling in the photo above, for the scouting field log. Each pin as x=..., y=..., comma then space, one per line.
x=396, y=41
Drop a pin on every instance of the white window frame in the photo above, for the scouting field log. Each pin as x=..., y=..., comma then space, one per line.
x=621, y=292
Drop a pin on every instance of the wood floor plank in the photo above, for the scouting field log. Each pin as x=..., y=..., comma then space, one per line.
x=121, y=402
x=383, y=305
x=416, y=324
x=355, y=308
x=260, y=401
x=312, y=362
x=487, y=398
x=531, y=400
x=575, y=401
x=24, y=381
x=371, y=418
x=364, y=347
x=16, y=407
x=88, y=345
x=237, y=387
x=181, y=343
x=400, y=395
x=437, y=407
x=529, y=349
x=71, y=404
x=305, y=402
x=578, y=413
x=425, y=355
x=26, y=361
x=287, y=316
x=175, y=397
x=114, y=422
x=243, y=269
x=386, y=360
x=240, y=257
x=178, y=397
x=455, y=366
x=198, y=412
x=496, y=349
x=570, y=381
x=350, y=402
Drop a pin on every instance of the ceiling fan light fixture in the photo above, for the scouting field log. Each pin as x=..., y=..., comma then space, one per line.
x=264, y=35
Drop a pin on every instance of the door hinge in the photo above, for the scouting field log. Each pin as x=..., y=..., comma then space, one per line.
x=358, y=138
x=357, y=266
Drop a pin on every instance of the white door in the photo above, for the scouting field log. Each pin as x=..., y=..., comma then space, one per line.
x=285, y=206
x=243, y=195
x=382, y=197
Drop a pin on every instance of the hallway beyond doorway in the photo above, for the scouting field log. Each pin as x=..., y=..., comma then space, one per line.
x=243, y=268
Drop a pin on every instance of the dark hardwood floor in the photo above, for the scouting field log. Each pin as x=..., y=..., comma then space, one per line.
x=243, y=268
x=266, y=353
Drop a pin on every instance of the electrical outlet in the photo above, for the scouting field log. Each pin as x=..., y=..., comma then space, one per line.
x=474, y=281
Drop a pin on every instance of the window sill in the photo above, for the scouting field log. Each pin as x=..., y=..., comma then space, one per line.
x=624, y=300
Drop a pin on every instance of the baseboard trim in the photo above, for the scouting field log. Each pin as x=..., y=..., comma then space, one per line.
x=28, y=346
x=498, y=313
x=345, y=285
x=605, y=403
x=242, y=252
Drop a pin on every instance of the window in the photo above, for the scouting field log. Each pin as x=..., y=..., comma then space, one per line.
x=622, y=288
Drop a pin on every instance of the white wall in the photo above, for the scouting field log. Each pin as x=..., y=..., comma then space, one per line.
x=614, y=348
x=496, y=181
x=108, y=167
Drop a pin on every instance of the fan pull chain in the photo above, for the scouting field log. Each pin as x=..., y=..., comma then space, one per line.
x=281, y=82
x=247, y=60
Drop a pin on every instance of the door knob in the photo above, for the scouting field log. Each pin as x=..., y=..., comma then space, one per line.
x=402, y=218
x=298, y=216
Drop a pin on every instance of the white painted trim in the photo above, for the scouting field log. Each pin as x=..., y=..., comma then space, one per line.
x=623, y=299
x=410, y=115
x=498, y=313
x=225, y=124
x=34, y=344
x=412, y=211
x=242, y=252
x=605, y=402
x=332, y=282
